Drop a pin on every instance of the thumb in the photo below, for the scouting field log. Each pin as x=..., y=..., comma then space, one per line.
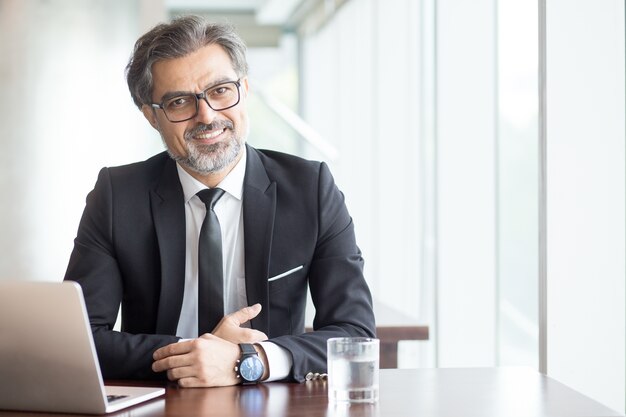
x=246, y=314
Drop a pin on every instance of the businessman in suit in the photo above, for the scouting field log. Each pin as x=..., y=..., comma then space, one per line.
x=281, y=223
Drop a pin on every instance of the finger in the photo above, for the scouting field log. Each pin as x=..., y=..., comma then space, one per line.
x=171, y=350
x=160, y=365
x=189, y=382
x=245, y=314
x=182, y=372
x=172, y=362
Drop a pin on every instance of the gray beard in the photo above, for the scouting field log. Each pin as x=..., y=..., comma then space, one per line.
x=209, y=159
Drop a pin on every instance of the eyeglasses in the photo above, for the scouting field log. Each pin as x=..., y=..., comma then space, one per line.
x=184, y=107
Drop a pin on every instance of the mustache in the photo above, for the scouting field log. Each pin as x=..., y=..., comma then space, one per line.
x=201, y=128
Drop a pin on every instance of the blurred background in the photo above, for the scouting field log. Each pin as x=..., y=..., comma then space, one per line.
x=480, y=146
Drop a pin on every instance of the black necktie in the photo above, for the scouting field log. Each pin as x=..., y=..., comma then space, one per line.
x=210, y=269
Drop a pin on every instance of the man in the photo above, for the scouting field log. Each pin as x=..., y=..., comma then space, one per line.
x=281, y=223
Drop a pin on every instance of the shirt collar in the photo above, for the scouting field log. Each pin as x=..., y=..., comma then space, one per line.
x=232, y=183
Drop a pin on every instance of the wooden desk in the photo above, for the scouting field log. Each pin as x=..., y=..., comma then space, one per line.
x=390, y=336
x=489, y=392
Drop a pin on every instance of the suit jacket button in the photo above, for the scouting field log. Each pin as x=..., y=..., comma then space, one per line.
x=309, y=376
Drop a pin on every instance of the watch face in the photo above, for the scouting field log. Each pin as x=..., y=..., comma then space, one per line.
x=251, y=368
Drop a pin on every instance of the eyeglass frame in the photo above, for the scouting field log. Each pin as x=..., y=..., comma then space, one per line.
x=200, y=96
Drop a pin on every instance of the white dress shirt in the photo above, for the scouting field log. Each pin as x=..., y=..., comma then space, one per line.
x=229, y=211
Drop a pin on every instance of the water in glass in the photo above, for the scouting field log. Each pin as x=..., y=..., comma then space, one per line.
x=353, y=370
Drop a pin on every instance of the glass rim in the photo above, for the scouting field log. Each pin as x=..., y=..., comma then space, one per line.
x=356, y=339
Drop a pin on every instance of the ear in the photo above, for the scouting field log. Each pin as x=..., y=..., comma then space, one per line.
x=150, y=114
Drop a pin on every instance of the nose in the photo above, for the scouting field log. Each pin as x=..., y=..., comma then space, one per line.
x=205, y=113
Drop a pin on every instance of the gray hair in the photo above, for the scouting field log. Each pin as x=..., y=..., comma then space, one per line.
x=179, y=38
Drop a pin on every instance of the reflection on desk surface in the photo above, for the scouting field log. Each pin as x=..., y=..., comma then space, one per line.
x=270, y=399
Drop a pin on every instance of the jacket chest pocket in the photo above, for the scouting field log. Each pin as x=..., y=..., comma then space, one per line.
x=290, y=278
x=287, y=300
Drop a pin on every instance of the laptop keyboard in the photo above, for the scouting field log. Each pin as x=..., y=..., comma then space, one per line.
x=111, y=398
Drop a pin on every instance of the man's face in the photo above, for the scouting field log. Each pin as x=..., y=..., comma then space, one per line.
x=212, y=141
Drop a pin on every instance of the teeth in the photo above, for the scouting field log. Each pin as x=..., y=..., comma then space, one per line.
x=210, y=135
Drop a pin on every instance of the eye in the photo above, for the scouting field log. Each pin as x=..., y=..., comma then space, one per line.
x=221, y=90
x=178, y=102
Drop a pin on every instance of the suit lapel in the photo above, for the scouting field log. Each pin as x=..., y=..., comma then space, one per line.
x=168, y=212
x=259, y=208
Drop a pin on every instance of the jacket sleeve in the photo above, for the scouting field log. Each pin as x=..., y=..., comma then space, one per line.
x=343, y=303
x=93, y=264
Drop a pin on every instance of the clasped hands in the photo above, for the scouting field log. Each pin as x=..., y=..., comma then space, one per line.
x=209, y=360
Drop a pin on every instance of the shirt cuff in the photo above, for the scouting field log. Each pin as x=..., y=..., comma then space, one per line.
x=279, y=361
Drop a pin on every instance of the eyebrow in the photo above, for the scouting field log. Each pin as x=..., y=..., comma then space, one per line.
x=172, y=94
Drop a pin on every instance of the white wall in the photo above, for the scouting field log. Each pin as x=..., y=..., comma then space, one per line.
x=65, y=113
x=466, y=159
x=586, y=315
x=517, y=183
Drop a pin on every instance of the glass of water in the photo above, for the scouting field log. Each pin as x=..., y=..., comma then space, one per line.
x=353, y=369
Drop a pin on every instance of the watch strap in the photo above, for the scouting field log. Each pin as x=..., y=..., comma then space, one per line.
x=247, y=349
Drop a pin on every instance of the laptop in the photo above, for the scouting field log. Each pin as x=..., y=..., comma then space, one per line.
x=48, y=360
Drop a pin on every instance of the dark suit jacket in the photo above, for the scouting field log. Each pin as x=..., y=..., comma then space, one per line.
x=130, y=249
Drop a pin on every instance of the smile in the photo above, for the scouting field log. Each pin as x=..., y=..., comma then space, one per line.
x=207, y=135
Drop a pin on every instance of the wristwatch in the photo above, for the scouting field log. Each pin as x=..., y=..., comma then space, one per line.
x=249, y=367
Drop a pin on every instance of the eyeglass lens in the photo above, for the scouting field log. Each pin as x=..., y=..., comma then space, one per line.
x=185, y=107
